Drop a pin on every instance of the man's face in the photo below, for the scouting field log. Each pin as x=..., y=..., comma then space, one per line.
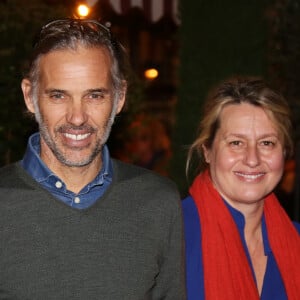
x=75, y=106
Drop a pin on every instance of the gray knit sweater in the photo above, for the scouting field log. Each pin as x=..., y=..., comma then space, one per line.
x=126, y=246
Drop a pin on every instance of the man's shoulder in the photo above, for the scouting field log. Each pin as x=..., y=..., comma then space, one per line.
x=144, y=184
x=8, y=172
x=14, y=176
x=125, y=172
x=156, y=197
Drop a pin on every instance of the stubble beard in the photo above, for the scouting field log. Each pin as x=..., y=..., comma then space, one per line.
x=57, y=151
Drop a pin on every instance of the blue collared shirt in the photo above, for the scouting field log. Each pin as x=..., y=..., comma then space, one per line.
x=33, y=164
x=273, y=287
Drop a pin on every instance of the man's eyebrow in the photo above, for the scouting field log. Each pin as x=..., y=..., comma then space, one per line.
x=98, y=90
x=60, y=91
x=48, y=91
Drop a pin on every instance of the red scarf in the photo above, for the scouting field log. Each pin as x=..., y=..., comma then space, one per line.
x=227, y=273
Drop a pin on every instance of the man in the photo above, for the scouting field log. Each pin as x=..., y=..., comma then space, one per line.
x=74, y=223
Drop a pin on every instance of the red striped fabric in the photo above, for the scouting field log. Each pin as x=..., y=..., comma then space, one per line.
x=153, y=10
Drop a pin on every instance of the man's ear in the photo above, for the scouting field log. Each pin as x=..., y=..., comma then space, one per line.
x=122, y=98
x=27, y=94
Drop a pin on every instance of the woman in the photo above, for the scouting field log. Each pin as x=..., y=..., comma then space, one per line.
x=240, y=243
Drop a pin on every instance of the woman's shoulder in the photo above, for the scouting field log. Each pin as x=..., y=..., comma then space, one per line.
x=188, y=203
x=189, y=208
x=190, y=217
x=193, y=249
x=297, y=225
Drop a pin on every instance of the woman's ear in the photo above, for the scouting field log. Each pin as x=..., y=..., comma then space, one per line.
x=27, y=94
x=206, y=153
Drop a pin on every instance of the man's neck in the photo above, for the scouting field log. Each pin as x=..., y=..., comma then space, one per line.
x=75, y=178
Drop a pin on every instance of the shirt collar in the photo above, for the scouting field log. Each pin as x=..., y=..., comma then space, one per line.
x=34, y=165
x=239, y=219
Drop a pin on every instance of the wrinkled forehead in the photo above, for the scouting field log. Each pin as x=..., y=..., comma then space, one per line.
x=70, y=64
x=249, y=117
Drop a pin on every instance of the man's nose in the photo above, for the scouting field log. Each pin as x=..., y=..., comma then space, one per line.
x=77, y=114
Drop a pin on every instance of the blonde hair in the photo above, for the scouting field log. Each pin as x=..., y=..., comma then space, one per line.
x=235, y=91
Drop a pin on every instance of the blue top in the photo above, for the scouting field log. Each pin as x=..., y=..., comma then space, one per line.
x=33, y=164
x=273, y=287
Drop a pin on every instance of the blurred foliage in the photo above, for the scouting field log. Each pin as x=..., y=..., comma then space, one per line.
x=135, y=100
x=218, y=40
x=284, y=53
x=284, y=74
x=20, y=20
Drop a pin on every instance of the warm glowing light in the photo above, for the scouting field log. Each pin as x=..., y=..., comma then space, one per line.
x=83, y=10
x=151, y=73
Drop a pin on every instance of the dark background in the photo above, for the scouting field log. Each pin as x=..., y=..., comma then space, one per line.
x=206, y=42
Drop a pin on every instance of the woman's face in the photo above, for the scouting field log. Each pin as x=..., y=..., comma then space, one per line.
x=246, y=159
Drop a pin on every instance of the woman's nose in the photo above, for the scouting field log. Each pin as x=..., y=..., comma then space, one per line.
x=252, y=156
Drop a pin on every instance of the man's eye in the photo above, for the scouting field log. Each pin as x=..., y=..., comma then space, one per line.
x=96, y=96
x=57, y=96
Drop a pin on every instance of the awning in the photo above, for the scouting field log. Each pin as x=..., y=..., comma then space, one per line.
x=154, y=10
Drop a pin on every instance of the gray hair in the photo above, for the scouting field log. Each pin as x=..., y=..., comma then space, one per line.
x=71, y=33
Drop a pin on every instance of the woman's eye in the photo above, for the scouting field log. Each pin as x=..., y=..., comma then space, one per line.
x=235, y=143
x=268, y=143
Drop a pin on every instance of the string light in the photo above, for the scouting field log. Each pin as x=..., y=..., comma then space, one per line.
x=151, y=73
x=83, y=10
